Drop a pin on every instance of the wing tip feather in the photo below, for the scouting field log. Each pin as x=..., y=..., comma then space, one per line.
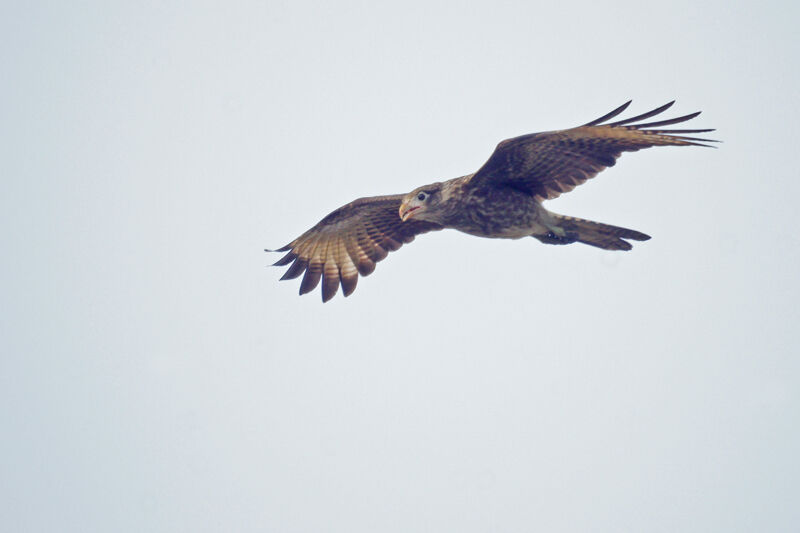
x=281, y=249
x=610, y=115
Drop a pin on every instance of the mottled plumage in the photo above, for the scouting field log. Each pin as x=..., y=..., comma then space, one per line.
x=501, y=200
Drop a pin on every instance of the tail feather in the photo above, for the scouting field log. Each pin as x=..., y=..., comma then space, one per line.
x=603, y=236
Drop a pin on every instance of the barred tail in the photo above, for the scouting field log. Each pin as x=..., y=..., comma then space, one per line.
x=592, y=233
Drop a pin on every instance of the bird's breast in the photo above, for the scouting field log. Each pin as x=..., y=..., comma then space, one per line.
x=499, y=213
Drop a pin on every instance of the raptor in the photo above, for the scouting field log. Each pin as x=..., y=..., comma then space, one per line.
x=503, y=199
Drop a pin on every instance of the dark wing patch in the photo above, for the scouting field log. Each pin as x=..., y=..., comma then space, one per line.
x=349, y=242
x=551, y=163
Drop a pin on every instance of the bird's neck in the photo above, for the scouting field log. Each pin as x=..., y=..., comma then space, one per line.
x=453, y=197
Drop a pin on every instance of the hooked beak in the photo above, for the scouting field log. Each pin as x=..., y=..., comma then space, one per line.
x=405, y=212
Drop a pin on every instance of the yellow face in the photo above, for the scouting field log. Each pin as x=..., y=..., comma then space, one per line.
x=414, y=203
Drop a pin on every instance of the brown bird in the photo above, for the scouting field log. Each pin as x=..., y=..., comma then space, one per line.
x=503, y=199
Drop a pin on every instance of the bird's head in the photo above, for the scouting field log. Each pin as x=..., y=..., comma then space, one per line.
x=422, y=203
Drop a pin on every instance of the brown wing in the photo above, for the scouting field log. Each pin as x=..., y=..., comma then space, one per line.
x=349, y=242
x=554, y=162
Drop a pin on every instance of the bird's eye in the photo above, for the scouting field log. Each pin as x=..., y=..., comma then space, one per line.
x=421, y=196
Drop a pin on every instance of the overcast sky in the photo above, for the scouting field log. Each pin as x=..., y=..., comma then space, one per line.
x=155, y=375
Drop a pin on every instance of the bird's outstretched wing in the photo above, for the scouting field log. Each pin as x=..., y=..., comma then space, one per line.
x=349, y=242
x=554, y=162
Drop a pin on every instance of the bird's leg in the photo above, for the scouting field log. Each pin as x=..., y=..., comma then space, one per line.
x=557, y=236
x=554, y=230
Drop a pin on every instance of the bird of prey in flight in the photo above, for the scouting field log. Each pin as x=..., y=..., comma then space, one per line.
x=503, y=199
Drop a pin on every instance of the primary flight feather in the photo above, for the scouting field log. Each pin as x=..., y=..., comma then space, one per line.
x=503, y=199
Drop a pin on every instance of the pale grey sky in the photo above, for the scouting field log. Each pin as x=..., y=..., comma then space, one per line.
x=155, y=375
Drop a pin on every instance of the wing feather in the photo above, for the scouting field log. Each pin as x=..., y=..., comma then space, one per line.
x=330, y=280
x=311, y=277
x=609, y=116
x=551, y=163
x=285, y=260
x=297, y=268
x=643, y=116
x=355, y=249
x=348, y=243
